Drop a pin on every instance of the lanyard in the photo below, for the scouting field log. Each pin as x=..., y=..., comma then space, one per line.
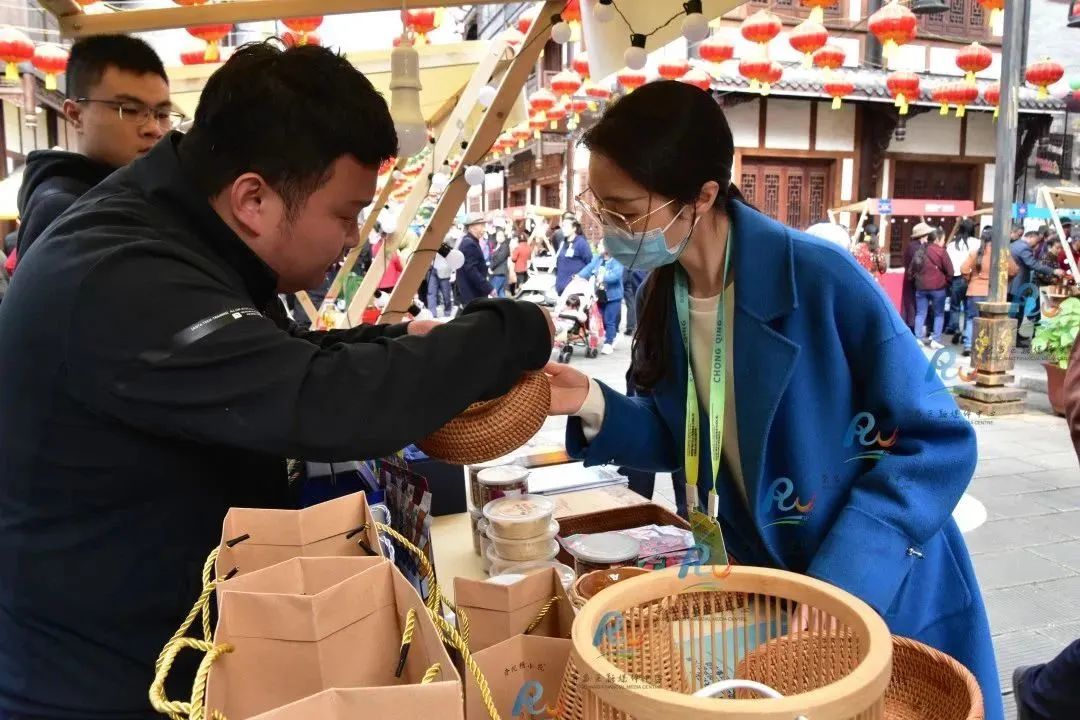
x=692, y=448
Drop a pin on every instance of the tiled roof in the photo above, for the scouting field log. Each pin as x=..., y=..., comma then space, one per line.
x=869, y=85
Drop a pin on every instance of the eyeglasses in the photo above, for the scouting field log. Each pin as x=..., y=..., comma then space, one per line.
x=139, y=113
x=591, y=206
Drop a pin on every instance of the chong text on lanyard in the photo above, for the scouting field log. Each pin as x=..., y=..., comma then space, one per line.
x=692, y=447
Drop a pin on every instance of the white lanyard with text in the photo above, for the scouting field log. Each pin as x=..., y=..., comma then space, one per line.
x=692, y=445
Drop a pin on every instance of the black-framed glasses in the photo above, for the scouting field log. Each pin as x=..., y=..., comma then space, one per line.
x=139, y=113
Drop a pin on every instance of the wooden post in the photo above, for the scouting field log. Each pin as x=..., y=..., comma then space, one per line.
x=444, y=144
x=487, y=131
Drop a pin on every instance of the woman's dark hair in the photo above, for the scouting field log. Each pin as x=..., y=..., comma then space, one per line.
x=287, y=115
x=987, y=242
x=578, y=230
x=670, y=154
x=964, y=231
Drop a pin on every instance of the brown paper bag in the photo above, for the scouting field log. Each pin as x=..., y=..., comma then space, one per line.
x=312, y=624
x=255, y=538
x=442, y=698
x=524, y=674
x=499, y=612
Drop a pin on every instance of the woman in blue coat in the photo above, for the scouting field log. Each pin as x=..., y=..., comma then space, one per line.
x=609, y=277
x=573, y=255
x=838, y=458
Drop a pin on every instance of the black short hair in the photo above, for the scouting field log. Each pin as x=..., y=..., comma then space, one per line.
x=287, y=115
x=91, y=56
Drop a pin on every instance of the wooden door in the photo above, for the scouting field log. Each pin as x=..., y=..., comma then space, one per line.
x=927, y=181
x=798, y=193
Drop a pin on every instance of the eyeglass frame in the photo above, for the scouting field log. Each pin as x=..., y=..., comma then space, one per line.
x=598, y=213
x=140, y=116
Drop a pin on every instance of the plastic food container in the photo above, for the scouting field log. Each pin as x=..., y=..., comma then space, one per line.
x=499, y=564
x=519, y=517
x=519, y=570
x=475, y=518
x=486, y=552
x=497, y=482
x=474, y=480
x=602, y=551
x=533, y=548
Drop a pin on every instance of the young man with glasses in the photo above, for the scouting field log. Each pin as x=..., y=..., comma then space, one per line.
x=118, y=105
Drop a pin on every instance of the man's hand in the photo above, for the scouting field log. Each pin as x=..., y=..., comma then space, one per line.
x=422, y=327
x=569, y=388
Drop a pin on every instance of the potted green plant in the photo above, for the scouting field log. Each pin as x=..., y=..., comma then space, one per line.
x=1055, y=335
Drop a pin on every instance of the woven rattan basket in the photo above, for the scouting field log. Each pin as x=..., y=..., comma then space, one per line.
x=492, y=429
x=644, y=646
x=593, y=582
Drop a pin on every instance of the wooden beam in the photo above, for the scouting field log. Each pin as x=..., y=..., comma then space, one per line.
x=486, y=133
x=130, y=21
x=61, y=8
x=308, y=307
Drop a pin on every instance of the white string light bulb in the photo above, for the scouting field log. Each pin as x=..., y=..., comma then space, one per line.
x=635, y=56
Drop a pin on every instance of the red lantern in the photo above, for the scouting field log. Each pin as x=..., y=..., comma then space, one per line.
x=773, y=76
x=595, y=93
x=761, y=28
x=630, y=79
x=992, y=95
x=302, y=26
x=51, y=60
x=420, y=22
x=292, y=39
x=542, y=100
x=1042, y=74
x=963, y=95
x=807, y=38
x=580, y=65
x=520, y=134
x=942, y=94
x=571, y=13
x=973, y=59
x=536, y=124
x=566, y=83
x=715, y=50
x=756, y=71
x=212, y=35
x=904, y=86
x=578, y=106
x=837, y=88
x=196, y=56
x=829, y=58
x=817, y=14
x=673, y=69
x=512, y=37
x=525, y=21
x=893, y=25
x=698, y=78
x=997, y=14
x=15, y=47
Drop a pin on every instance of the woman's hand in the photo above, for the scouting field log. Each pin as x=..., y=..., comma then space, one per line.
x=569, y=388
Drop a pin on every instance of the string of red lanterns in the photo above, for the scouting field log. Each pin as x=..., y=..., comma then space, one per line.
x=838, y=87
x=303, y=26
x=893, y=25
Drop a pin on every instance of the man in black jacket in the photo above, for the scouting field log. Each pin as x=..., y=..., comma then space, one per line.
x=118, y=105
x=157, y=382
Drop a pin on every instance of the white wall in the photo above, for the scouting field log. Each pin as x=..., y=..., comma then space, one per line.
x=930, y=134
x=788, y=124
x=847, y=179
x=981, y=134
x=745, y=122
x=988, y=183
x=943, y=62
x=835, y=128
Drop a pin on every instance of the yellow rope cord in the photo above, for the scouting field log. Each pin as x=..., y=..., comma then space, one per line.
x=198, y=690
x=434, y=595
x=540, y=615
x=431, y=674
x=406, y=641
x=463, y=623
x=175, y=709
x=451, y=636
x=202, y=605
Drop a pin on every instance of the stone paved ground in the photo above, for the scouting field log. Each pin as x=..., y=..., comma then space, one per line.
x=1026, y=553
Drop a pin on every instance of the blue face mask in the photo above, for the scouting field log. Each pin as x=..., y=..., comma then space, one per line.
x=647, y=251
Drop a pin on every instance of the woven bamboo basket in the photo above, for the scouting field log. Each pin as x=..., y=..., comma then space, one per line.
x=643, y=647
x=493, y=428
x=593, y=582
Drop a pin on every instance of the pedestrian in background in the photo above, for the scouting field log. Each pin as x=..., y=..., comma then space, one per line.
x=958, y=249
x=920, y=234
x=573, y=255
x=1023, y=254
x=499, y=263
x=446, y=262
x=472, y=278
x=931, y=269
x=976, y=269
x=867, y=253
x=607, y=275
x=520, y=256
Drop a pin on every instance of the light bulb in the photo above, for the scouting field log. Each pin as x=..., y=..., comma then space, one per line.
x=560, y=32
x=695, y=27
x=474, y=175
x=439, y=182
x=635, y=56
x=486, y=96
x=405, y=100
x=604, y=12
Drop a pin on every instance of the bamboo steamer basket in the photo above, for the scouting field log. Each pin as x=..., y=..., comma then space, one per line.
x=838, y=667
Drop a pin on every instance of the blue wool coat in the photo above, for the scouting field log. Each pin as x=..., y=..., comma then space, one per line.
x=852, y=454
x=613, y=276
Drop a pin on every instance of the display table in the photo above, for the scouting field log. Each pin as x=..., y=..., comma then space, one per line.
x=451, y=535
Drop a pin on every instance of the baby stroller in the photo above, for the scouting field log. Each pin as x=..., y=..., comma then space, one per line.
x=577, y=321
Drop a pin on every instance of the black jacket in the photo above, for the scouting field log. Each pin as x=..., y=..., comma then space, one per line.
x=472, y=277
x=151, y=392
x=52, y=181
x=499, y=257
